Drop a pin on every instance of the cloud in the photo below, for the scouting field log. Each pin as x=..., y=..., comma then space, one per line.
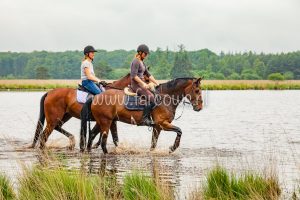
x=231, y=25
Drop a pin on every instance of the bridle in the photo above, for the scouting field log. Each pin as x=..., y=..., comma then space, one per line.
x=196, y=102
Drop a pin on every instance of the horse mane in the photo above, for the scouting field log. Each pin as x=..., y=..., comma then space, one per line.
x=122, y=78
x=172, y=83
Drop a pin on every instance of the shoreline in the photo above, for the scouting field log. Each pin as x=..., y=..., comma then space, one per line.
x=44, y=85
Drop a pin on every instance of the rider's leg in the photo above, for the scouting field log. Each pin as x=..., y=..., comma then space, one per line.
x=146, y=120
x=91, y=87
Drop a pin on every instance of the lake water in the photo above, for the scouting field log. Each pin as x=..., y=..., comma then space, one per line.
x=241, y=130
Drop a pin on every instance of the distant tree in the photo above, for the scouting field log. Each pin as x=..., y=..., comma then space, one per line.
x=260, y=68
x=42, y=73
x=66, y=65
x=276, y=77
x=162, y=69
x=234, y=76
x=250, y=74
x=103, y=70
x=226, y=71
x=182, y=65
x=219, y=76
x=119, y=73
x=288, y=75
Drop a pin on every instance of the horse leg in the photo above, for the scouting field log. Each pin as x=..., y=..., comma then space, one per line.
x=98, y=143
x=66, y=133
x=53, y=117
x=155, y=134
x=104, y=126
x=169, y=127
x=103, y=142
x=39, y=129
x=114, y=134
x=94, y=132
x=45, y=134
x=40, y=123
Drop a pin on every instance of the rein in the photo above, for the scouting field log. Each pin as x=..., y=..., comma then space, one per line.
x=113, y=87
x=184, y=102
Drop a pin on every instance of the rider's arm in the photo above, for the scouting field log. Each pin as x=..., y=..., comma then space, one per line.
x=153, y=80
x=140, y=82
x=90, y=76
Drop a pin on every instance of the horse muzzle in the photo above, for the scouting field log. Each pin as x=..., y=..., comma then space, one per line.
x=195, y=108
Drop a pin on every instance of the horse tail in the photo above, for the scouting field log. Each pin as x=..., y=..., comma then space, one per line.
x=41, y=121
x=85, y=116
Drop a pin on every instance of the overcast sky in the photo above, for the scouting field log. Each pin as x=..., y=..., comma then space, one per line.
x=228, y=25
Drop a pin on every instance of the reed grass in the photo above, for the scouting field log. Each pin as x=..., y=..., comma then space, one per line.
x=138, y=186
x=59, y=183
x=6, y=189
x=221, y=185
x=48, y=182
x=56, y=182
x=206, y=84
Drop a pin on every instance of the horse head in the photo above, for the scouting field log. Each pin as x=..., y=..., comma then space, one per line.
x=184, y=87
x=194, y=94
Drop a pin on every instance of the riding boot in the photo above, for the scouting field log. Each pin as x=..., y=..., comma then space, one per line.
x=147, y=120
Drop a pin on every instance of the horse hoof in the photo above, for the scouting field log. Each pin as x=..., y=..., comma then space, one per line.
x=72, y=142
x=116, y=143
x=105, y=151
x=30, y=146
x=171, y=149
x=152, y=149
x=95, y=146
x=71, y=147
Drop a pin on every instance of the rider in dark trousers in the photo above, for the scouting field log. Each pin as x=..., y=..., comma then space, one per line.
x=138, y=84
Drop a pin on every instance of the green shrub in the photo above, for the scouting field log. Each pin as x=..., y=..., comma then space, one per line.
x=276, y=77
x=288, y=75
x=234, y=76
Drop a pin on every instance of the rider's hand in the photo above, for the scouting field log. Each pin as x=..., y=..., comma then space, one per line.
x=104, y=83
x=145, y=85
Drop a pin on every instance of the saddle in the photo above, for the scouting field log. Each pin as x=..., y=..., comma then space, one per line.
x=133, y=101
x=83, y=94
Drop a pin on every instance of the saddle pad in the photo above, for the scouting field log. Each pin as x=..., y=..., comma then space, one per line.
x=81, y=96
x=133, y=103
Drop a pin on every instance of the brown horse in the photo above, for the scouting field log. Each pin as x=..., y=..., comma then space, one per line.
x=60, y=105
x=109, y=106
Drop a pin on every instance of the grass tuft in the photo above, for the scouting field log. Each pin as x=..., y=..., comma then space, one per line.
x=58, y=183
x=6, y=189
x=138, y=186
x=220, y=185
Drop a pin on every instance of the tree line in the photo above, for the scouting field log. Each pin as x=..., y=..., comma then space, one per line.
x=164, y=64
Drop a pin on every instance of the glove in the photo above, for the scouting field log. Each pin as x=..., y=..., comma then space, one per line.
x=103, y=83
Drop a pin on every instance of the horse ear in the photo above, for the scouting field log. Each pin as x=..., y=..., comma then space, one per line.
x=198, y=80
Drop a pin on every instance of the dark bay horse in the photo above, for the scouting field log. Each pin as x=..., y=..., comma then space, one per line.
x=109, y=106
x=60, y=105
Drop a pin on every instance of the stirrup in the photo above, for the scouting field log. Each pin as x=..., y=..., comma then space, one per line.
x=147, y=122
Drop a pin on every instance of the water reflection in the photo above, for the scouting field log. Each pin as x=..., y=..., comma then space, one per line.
x=240, y=130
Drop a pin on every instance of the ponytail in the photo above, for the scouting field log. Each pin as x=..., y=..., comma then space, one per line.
x=138, y=56
x=85, y=57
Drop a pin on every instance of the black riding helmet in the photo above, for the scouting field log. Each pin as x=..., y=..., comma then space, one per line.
x=88, y=49
x=143, y=48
